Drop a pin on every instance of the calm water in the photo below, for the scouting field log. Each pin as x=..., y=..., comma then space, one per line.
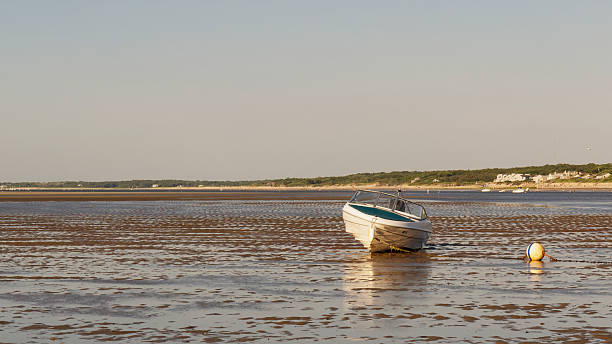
x=280, y=270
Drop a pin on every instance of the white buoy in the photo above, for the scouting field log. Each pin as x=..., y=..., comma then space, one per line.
x=535, y=251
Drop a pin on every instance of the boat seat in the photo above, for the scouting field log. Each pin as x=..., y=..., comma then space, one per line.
x=397, y=204
x=400, y=206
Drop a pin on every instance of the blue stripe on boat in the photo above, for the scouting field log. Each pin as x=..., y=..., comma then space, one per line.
x=385, y=214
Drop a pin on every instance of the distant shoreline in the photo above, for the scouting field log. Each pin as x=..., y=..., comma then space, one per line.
x=475, y=187
x=254, y=192
x=553, y=177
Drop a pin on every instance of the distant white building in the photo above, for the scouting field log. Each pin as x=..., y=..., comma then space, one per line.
x=514, y=177
x=538, y=179
x=155, y=185
x=563, y=175
x=603, y=176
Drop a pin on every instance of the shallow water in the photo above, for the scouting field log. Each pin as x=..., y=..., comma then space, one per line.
x=280, y=270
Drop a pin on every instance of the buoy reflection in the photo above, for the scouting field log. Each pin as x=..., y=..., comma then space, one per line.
x=536, y=269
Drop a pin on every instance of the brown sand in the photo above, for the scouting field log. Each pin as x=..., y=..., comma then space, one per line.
x=276, y=270
x=20, y=196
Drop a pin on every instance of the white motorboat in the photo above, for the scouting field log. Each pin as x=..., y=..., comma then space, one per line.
x=383, y=221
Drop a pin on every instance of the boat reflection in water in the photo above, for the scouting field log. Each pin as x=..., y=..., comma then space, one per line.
x=386, y=279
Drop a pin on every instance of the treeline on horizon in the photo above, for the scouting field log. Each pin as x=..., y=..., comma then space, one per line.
x=448, y=177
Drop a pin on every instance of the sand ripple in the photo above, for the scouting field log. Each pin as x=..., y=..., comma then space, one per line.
x=280, y=270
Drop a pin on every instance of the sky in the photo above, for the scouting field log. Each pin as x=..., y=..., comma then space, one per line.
x=242, y=90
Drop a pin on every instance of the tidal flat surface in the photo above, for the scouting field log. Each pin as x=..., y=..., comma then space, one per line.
x=240, y=270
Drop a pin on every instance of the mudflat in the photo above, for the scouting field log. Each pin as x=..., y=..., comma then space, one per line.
x=18, y=196
x=256, y=268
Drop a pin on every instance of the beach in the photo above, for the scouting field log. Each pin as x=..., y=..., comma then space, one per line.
x=213, y=192
x=258, y=266
x=170, y=195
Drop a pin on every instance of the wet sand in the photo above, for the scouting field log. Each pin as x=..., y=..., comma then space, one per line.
x=240, y=270
x=187, y=195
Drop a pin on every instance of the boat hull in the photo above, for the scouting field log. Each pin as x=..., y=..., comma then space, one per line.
x=379, y=235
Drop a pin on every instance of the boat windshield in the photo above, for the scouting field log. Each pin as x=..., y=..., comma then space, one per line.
x=389, y=201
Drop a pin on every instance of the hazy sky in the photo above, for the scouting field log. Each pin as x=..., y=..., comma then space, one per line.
x=225, y=90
